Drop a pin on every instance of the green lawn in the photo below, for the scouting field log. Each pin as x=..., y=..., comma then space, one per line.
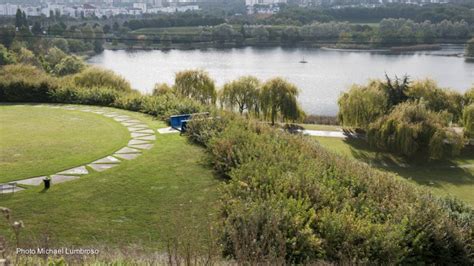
x=445, y=177
x=38, y=141
x=321, y=127
x=169, y=190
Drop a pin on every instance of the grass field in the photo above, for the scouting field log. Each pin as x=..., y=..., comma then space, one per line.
x=445, y=177
x=321, y=127
x=169, y=190
x=41, y=141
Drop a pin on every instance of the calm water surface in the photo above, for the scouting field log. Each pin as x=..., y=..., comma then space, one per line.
x=321, y=80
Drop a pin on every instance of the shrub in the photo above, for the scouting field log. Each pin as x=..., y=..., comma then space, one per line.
x=96, y=77
x=289, y=200
x=411, y=128
x=25, y=83
x=169, y=104
x=468, y=120
x=6, y=57
x=469, y=96
x=161, y=89
x=92, y=96
x=130, y=101
x=68, y=65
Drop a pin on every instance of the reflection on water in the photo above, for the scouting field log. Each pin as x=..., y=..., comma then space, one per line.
x=321, y=80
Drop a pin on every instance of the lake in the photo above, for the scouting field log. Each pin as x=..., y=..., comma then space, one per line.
x=321, y=80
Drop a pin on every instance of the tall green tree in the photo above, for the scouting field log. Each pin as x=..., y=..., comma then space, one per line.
x=470, y=48
x=36, y=29
x=196, y=84
x=396, y=89
x=18, y=19
x=6, y=57
x=413, y=130
x=468, y=120
x=7, y=34
x=437, y=99
x=278, y=99
x=242, y=93
x=362, y=105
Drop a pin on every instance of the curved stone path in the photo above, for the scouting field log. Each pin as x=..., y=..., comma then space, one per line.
x=141, y=138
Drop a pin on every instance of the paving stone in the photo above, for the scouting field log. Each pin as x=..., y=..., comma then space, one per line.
x=34, y=181
x=120, y=119
x=108, y=159
x=138, y=135
x=99, y=112
x=137, y=141
x=111, y=114
x=127, y=156
x=128, y=150
x=167, y=130
x=81, y=170
x=151, y=137
x=134, y=124
x=56, y=179
x=101, y=167
x=124, y=117
x=7, y=188
x=146, y=131
x=142, y=146
x=134, y=129
x=134, y=121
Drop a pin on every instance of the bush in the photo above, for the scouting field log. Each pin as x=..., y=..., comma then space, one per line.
x=92, y=96
x=130, y=101
x=468, y=120
x=169, y=104
x=161, y=89
x=288, y=200
x=25, y=83
x=411, y=129
x=6, y=57
x=68, y=65
x=97, y=77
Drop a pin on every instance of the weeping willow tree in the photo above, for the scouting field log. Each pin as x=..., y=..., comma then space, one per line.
x=469, y=96
x=362, y=105
x=411, y=129
x=468, y=120
x=437, y=99
x=242, y=94
x=196, y=84
x=278, y=100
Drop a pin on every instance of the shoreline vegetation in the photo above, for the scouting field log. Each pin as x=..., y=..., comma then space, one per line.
x=298, y=203
x=237, y=187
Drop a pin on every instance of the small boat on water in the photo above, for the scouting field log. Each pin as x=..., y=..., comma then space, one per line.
x=303, y=61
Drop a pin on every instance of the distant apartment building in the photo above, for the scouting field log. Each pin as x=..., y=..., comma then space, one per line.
x=106, y=8
x=263, y=6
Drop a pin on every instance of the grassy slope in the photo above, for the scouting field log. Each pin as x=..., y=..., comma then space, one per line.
x=444, y=177
x=41, y=141
x=166, y=190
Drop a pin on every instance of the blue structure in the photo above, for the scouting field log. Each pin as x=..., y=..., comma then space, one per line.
x=179, y=122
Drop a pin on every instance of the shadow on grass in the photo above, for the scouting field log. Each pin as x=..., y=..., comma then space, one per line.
x=419, y=169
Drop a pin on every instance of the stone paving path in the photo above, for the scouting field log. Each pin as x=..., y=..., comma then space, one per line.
x=141, y=138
